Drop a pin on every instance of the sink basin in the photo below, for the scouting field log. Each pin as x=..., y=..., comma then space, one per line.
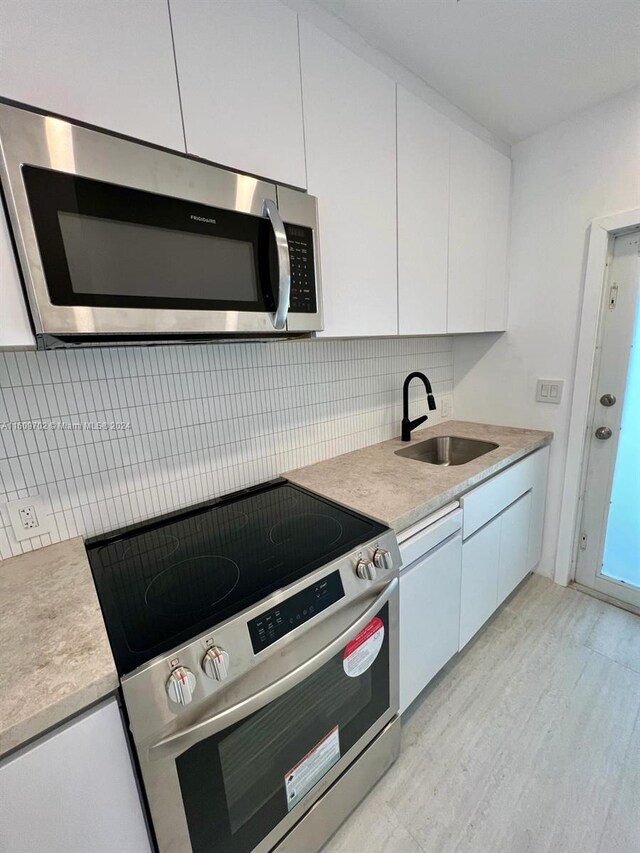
x=447, y=450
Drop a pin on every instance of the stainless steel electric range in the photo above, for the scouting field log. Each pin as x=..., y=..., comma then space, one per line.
x=256, y=639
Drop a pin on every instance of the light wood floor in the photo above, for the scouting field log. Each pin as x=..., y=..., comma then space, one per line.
x=528, y=742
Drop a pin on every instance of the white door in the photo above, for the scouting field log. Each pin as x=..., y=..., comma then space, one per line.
x=239, y=71
x=350, y=133
x=609, y=544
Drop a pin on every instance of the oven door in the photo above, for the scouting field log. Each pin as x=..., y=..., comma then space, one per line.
x=240, y=779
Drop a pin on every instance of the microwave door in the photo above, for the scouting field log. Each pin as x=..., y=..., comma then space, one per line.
x=148, y=264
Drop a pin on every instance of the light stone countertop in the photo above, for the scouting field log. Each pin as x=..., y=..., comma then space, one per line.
x=400, y=492
x=54, y=650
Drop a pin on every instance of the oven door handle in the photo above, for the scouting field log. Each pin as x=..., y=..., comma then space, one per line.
x=176, y=743
x=270, y=209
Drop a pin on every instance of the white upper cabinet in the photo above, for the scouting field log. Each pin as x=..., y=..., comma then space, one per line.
x=499, y=219
x=350, y=132
x=239, y=71
x=423, y=216
x=15, y=329
x=478, y=235
x=108, y=64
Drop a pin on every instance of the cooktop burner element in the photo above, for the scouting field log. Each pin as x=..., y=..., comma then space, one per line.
x=193, y=585
x=162, y=582
x=308, y=532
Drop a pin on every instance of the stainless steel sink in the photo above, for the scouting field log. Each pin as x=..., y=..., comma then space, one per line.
x=447, y=450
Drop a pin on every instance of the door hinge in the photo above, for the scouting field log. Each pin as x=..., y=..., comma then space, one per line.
x=613, y=296
x=583, y=542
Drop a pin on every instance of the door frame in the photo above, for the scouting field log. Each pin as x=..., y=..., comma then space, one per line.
x=603, y=232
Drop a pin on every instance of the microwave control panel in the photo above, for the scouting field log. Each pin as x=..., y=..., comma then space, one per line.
x=295, y=611
x=303, y=278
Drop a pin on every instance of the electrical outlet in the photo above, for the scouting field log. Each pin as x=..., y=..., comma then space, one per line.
x=549, y=390
x=446, y=407
x=28, y=517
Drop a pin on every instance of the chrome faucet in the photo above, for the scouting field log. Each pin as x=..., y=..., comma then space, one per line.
x=408, y=425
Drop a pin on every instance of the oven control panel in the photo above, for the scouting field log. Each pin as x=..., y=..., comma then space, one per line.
x=295, y=611
x=303, y=278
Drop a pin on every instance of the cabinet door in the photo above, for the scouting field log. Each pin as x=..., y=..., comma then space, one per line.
x=498, y=216
x=15, y=328
x=109, y=64
x=539, y=467
x=429, y=617
x=478, y=231
x=73, y=791
x=479, y=592
x=239, y=71
x=350, y=132
x=423, y=216
x=514, y=544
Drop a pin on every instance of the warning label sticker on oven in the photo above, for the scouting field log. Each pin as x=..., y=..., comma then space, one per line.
x=361, y=652
x=300, y=779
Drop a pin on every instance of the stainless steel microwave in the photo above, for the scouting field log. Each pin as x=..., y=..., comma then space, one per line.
x=122, y=241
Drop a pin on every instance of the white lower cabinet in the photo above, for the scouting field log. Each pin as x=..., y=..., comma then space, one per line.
x=479, y=589
x=429, y=617
x=73, y=791
x=514, y=546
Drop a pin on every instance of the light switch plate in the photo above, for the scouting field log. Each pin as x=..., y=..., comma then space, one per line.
x=28, y=517
x=549, y=390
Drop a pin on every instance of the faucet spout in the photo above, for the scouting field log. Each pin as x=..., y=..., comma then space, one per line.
x=407, y=424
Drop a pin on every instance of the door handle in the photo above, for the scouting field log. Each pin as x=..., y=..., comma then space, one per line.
x=603, y=433
x=279, y=319
x=608, y=400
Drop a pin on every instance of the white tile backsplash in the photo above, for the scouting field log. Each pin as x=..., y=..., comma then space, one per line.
x=203, y=419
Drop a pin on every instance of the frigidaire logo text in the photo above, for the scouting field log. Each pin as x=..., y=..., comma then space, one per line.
x=203, y=219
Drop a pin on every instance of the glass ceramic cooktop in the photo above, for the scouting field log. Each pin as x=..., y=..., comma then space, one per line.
x=163, y=582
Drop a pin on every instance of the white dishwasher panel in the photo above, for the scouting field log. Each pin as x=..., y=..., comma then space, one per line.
x=429, y=616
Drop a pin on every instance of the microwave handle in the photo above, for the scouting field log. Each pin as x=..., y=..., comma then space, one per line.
x=270, y=209
x=176, y=743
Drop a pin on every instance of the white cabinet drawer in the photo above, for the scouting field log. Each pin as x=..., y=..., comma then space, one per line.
x=488, y=500
x=416, y=546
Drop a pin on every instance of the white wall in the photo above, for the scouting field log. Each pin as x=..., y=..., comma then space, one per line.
x=585, y=167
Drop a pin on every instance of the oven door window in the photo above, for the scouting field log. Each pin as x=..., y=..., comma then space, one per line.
x=238, y=785
x=110, y=246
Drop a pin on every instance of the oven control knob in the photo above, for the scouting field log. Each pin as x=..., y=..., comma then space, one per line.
x=216, y=663
x=382, y=559
x=180, y=685
x=366, y=570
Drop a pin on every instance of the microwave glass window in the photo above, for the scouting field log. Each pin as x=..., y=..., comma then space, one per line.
x=118, y=258
x=109, y=246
